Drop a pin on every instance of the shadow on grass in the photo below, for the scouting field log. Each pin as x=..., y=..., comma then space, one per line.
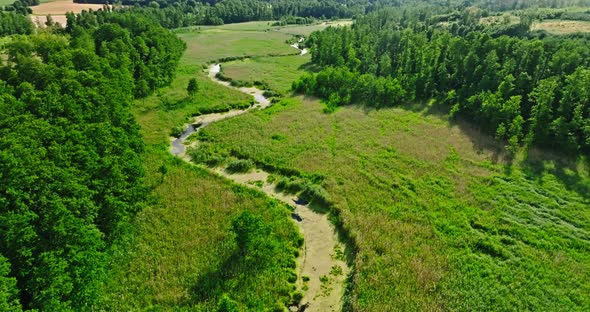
x=212, y=284
x=168, y=104
x=310, y=67
x=572, y=171
x=482, y=142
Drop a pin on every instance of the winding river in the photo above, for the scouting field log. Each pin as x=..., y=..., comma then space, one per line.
x=321, y=261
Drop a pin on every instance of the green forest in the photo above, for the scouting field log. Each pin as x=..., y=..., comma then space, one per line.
x=282, y=155
x=527, y=91
x=72, y=172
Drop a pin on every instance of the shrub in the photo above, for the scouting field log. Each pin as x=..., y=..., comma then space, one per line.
x=206, y=153
x=297, y=297
x=240, y=166
x=315, y=193
x=291, y=184
x=292, y=277
x=177, y=131
x=226, y=304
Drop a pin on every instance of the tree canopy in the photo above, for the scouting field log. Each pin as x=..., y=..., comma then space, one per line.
x=71, y=154
x=528, y=91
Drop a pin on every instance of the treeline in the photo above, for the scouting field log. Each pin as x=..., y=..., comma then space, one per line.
x=21, y=6
x=563, y=15
x=181, y=13
x=13, y=23
x=70, y=153
x=295, y=20
x=14, y=20
x=526, y=91
x=188, y=13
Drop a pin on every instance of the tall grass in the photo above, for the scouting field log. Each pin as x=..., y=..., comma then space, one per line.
x=439, y=219
x=183, y=252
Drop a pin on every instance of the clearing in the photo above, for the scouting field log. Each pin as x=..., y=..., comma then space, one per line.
x=562, y=27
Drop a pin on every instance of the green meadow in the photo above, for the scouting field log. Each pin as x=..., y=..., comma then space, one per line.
x=276, y=72
x=439, y=216
x=181, y=252
x=441, y=219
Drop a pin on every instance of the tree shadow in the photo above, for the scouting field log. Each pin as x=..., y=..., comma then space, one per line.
x=212, y=284
x=310, y=67
x=482, y=142
x=572, y=171
x=167, y=104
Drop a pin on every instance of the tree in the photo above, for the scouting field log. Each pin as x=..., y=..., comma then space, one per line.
x=226, y=304
x=193, y=87
x=8, y=291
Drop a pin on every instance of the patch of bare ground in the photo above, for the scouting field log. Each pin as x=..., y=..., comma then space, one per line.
x=58, y=9
x=562, y=27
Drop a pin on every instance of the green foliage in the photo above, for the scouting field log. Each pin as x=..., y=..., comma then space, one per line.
x=12, y=23
x=8, y=291
x=494, y=82
x=177, y=131
x=208, y=154
x=226, y=304
x=476, y=233
x=297, y=297
x=175, y=14
x=132, y=42
x=192, y=87
x=240, y=166
x=71, y=153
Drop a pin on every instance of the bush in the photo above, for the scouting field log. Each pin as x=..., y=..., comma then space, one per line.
x=240, y=166
x=226, y=304
x=297, y=296
x=315, y=193
x=292, y=277
x=206, y=153
x=291, y=184
x=177, y=131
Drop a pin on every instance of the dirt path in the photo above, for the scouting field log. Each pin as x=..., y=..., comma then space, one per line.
x=321, y=266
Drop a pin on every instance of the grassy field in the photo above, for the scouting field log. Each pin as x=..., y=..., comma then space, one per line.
x=277, y=72
x=561, y=27
x=181, y=252
x=440, y=220
x=212, y=44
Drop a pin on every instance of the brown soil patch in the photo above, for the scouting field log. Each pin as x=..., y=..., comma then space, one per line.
x=562, y=27
x=62, y=7
x=58, y=9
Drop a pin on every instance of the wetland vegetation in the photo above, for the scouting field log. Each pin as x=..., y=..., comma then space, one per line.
x=422, y=156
